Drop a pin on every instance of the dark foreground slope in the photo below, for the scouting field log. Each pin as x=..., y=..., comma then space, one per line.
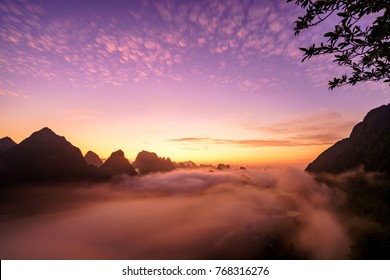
x=367, y=146
x=351, y=167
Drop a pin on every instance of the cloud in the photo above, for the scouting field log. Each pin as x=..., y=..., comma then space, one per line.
x=321, y=128
x=282, y=213
x=107, y=53
x=89, y=49
x=101, y=51
x=165, y=9
x=288, y=142
x=83, y=114
x=324, y=127
x=14, y=94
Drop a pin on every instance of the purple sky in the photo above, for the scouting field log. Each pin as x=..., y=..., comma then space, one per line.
x=203, y=80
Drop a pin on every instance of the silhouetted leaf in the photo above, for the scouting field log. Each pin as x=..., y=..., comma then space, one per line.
x=367, y=46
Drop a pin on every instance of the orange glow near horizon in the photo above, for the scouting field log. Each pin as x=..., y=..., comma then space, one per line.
x=200, y=153
x=295, y=140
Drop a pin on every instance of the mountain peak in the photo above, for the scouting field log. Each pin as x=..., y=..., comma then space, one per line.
x=42, y=157
x=6, y=143
x=148, y=162
x=46, y=131
x=8, y=139
x=93, y=159
x=368, y=145
x=45, y=134
x=119, y=154
x=117, y=164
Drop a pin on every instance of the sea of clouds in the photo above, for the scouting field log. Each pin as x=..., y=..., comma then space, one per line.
x=279, y=213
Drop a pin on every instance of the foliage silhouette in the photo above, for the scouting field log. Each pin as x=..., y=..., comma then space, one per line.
x=357, y=43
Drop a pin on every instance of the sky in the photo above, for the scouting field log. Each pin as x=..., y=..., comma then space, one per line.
x=208, y=81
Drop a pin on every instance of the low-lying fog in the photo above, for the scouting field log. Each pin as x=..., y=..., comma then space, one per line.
x=197, y=214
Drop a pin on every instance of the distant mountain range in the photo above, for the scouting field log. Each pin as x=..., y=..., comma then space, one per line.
x=367, y=146
x=185, y=164
x=46, y=157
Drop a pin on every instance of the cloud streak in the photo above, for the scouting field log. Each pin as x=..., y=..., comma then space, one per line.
x=323, y=127
x=83, y=115
x=317, y=140
x=242, y=142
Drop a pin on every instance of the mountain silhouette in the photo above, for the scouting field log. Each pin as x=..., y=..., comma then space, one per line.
x=222, y=166
x=44, y=157
x=367, y=146
x=202, y=165
x=93, y=159
x=185, y=164
x=148, y=162
x=6, y=143
x=117, y=164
